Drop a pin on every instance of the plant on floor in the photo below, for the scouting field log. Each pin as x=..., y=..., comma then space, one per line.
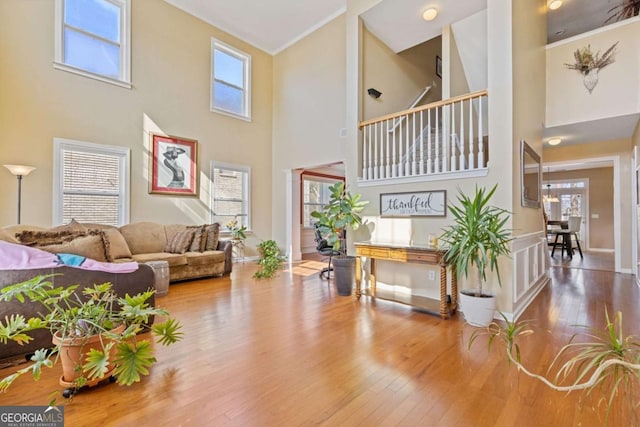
x=76, y=318
x=342, y=212
x=606, y=361
x=478, y=236
x=270, y=259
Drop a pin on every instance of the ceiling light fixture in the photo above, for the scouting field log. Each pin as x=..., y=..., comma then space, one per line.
x=430, y=14
x=554, y=141
x=554, y=4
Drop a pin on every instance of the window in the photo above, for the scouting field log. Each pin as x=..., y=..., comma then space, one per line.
x=315, y=195
x=230, y=88
x=90, y=183
x=92, y=39
x=230, y=194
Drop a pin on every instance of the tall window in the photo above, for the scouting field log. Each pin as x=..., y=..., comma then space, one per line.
x=230, y=193
x=92, y=39
x=315, y=195
x=230, y=82
x=90, y=183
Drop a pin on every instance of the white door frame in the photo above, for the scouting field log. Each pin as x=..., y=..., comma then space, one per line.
x=617, y=211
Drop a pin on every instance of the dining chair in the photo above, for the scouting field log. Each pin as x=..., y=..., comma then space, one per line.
x=575, y=223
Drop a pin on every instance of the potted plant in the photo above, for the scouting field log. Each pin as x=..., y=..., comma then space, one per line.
x=238, y=232
x=270, y=259
x=478, y=237
x=340, y=213
x=94, y=332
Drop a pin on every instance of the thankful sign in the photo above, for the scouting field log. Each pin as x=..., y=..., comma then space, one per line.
x=423, y=203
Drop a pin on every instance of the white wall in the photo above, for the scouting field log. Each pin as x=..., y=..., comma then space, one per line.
x=618, y=90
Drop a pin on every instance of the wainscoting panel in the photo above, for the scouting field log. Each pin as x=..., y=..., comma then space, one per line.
x=530, y=265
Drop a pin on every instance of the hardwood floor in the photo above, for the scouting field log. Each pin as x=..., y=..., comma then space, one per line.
x=604, y=261
x=289, y=351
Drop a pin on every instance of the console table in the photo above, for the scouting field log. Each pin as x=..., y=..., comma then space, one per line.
x=447, y=304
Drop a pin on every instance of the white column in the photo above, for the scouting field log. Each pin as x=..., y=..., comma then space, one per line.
x=293, y=196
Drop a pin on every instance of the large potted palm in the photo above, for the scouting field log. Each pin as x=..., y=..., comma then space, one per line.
x=478, y=237
x=94, y=332
x=342, y=212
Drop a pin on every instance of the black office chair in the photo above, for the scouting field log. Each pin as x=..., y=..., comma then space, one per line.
x=324, y=249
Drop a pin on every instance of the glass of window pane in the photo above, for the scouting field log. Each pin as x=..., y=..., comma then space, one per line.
x=98, y=17
x=91, y=54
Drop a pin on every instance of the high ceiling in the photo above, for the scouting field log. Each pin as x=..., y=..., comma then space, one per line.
x=276, y=24
x=269, y=25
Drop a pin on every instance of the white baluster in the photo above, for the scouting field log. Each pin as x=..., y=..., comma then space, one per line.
x=429, y=154
x=369, y=170
x=421, y=142
x=407, y=157
x=471, y=155
x=387, y=172
x=375, y=151
x=452, y=137
x=400, y=148
x=437, y=144
x=364, y=153
x=480, y=139
x=461, y=139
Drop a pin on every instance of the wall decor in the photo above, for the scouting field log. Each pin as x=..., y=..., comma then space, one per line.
x=589, y=64
x=530, y=176
x=173, y=165
x=419, y=203
x=438, y=66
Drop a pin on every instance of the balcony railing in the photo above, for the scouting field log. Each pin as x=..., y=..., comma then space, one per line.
x=433, y=141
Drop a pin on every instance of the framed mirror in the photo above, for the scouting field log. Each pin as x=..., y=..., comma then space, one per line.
x=530, y=176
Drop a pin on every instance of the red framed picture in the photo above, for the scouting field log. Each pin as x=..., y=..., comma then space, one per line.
x=173, y=166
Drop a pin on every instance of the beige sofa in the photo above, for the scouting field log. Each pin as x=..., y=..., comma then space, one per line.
x=191, y=251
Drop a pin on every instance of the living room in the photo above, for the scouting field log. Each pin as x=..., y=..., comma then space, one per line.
x=304, y=111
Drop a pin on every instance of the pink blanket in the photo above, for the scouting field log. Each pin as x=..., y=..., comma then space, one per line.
x=19, y=257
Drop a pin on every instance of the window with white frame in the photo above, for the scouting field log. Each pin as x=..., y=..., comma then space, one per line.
x=230, y=194
x=90, y=183
x=315, y=196
x=230, y=80
x=92, y=38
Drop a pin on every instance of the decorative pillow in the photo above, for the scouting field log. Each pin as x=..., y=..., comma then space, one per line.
x=90, y=246
x=199, y=238
x=5, y=236
x=118, y=247
x=72, y=226
x=180, y=242
x=43, y=238
x=213, y=235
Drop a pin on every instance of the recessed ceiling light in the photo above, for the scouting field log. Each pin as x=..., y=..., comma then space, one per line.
x=430, y=14
x=554, y=141
x=554, y=4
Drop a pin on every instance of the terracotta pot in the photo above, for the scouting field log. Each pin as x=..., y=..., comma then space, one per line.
x=72, y=352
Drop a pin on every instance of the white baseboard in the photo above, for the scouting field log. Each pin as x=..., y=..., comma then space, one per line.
x=603, y=250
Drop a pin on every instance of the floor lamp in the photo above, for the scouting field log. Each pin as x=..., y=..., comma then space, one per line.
x=19, y=171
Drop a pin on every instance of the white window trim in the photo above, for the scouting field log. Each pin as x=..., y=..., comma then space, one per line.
x=246, y=58
x=125, y=46
x=234, y=167
x=60, y=144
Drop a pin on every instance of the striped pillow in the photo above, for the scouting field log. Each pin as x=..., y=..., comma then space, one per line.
x=213, y=235
x=180, y=242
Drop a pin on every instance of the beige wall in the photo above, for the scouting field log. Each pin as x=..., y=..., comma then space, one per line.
x=600, y=199
x=618, y=90
x=170, y=76
x=458, y=84
x=620, y=149
x=308, y=109
x=529, y=39
x=399, y=76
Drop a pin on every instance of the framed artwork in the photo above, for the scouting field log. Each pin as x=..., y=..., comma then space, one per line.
x=438, y=66
x=421, y=203
x=173, y=166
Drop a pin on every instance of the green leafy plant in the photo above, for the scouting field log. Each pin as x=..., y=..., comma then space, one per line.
x=607, y=361
x=342, y=211
x=270, y=259
x=478, y=235
x=238, y=232
x=94, y=311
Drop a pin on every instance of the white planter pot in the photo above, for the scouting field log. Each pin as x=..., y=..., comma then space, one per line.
x=478, y=311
